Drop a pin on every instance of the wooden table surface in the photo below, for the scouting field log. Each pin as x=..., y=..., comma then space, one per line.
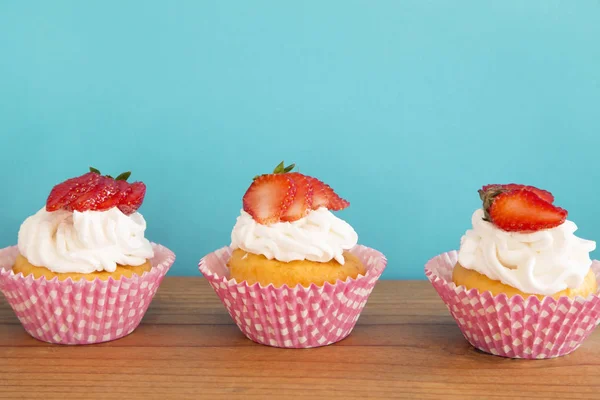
x=405, y=345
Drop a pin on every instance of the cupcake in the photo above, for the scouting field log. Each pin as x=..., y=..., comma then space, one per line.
x=522, y=284
x=83, y=271
x=294, y=275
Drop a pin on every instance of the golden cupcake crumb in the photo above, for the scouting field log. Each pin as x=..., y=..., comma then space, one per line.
x=24, y=266
x=244, y=266
x=472, y=279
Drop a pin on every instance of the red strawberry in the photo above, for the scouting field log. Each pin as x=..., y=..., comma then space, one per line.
x=134, y=199
x=268, y=197
x=124, y=190
x=544, y=194
x=94, y=192
x=320, y=196
x=521, y=210
x=109, y=195
x=302, y=202
x=288, y=196
x=324, y=196
x=62, y=195
x=103, y=196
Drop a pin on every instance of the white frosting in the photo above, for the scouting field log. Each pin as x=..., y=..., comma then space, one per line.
x=84, y=242
x=543, y=262
x=320, y=236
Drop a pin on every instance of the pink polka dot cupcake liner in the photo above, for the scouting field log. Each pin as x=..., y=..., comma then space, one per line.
x=515, y=327
x=81, y=312
x=298, y=317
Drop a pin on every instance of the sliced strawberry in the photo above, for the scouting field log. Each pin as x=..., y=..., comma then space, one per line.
x=94, y=192
x=101, y=197
x=288, y=196
x=124, y=190
x=268, y=197
x=325, y=196
x=544, y=194
x=108, y=197
x=521, y=210
x=320, y=195
x=62, y=195
x=336, y=203
x=134, y=198
x=86, y=201
x=302, y=203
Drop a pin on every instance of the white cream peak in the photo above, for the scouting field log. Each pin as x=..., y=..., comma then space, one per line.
x=320, y=236
x=84, y=242
x=544, y=262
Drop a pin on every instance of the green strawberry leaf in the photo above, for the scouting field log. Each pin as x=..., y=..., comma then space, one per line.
x=124, y=176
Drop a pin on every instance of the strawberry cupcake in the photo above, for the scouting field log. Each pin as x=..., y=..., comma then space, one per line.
x=82, y=271
x=294, y=275
x=522, y=284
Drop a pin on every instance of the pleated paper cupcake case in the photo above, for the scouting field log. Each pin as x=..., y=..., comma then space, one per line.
x=81, y=312
x=515, y=327
x=296, y=317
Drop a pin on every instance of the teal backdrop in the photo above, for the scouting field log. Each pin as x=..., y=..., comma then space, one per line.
x=405, y=107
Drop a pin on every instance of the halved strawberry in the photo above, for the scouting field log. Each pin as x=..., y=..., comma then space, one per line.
x=521, y=210
x=269, y=197
x=302, y=203
x=62, y=195
x=325, y=196
x=134, y=199
x=544, y=194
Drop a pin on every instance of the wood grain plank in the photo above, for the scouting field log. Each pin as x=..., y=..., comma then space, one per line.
x=405, y=345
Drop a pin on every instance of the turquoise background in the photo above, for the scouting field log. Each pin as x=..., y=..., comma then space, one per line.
x=404, y=107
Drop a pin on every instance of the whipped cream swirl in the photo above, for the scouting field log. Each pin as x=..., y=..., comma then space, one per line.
x=320, y=236
x=84, y=242
x=543, y=262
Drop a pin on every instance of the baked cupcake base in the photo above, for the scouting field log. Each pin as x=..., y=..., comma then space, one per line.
x=22, y=265
x=471, y=279
x=517, y=326
x=81, y=312
x=294, y=317
x=253, y=268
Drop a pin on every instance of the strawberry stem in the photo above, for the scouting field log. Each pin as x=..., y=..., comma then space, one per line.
x=280, y=169
x=487, y=197
x=124, y=176
x=289, y=168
